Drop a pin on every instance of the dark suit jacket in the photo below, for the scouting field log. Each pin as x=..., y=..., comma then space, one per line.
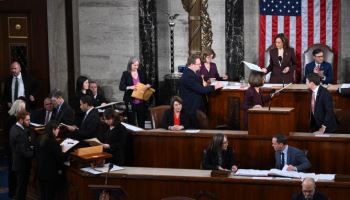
x=324, y=113
x=30, y=87
x=38, y=116
x=317, y=196
x=49, y=158
x=211, y=160
x=192, y=91
x=100, y=98
x=168, y=119
x=274, y=67
x=75, y=104
x=325, y=67
x=22, y=153
x=65, y=114
x=126, y=81
x=252, y=98
x=117, y=140
x=295, y=157
x=89, y=127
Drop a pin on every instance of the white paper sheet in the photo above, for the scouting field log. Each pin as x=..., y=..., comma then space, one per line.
x=252, y=66
x=68, y=144
x=100, y=170
x=132, y=127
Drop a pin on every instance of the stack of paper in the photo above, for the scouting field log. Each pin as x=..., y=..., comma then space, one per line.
x=100, y=170
x=68, y=144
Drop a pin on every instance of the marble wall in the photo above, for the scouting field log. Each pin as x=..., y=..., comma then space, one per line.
x=109, y=35
x=57, y=44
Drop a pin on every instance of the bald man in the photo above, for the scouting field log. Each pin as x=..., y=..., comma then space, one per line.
x=309, y=191
x=19, y=84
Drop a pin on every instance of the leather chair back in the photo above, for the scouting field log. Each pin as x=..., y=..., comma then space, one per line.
x=308, y=57
x=157, y=115
x=202, y=120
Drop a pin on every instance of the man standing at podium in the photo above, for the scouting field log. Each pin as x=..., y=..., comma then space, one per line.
x=322, y=118
x=191, y=88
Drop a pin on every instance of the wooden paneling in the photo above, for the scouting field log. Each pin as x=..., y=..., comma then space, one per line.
x=32, y=17
x=265, y=121
x=297, y=97
x=146, y=183
x=161, y=148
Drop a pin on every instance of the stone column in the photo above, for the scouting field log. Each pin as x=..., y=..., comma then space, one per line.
x=234, y=39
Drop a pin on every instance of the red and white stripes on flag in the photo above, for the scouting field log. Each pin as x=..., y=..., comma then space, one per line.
x=318, y=23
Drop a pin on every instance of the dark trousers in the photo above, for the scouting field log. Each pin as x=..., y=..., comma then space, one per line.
x=137, y=115
x=22, y=183
x=47, y=190
x=11, y=175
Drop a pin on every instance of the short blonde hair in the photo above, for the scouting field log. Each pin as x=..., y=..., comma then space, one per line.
x=17, y=106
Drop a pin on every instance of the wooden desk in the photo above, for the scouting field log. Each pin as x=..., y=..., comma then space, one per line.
x=296, y=96
x=281, y=118
x=156, y=183
x=162, y=148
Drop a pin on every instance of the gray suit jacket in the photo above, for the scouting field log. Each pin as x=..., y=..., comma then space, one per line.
x=295, y=157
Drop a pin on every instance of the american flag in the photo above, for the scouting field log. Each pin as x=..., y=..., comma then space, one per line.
x=304, y=22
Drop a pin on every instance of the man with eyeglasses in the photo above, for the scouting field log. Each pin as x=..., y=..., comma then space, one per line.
x=320, y=67
x=43, y=115
x=191, y=89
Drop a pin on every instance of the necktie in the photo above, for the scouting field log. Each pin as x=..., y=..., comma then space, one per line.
x=313, y=100
x=16, y=89
x=282, y=160
x=317, y=68
x=47, y=117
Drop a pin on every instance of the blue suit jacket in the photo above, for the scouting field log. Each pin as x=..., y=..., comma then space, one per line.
x=324, y=111
x=325, y=67
x=192, y=91
x=295, y=157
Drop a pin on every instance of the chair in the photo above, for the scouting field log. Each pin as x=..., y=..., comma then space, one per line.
x=308, y=57
x=343, y=117
x=157, y=115
x=202, y=120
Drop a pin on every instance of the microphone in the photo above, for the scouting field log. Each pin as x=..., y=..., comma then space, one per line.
x=280, y=62
x=110, y=166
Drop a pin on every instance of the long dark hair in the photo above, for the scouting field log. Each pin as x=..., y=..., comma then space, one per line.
x=216, y=145
x=284, y=40
x=53, y=124
x=80, y=83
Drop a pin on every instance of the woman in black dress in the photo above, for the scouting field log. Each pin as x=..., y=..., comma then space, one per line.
x=49, y=162
x=219, y=156
x=115, y=139
x=130, y=78
x=82, y=89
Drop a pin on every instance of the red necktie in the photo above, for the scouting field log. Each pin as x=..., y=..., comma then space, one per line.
x=313, y=100
x=317, y=68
